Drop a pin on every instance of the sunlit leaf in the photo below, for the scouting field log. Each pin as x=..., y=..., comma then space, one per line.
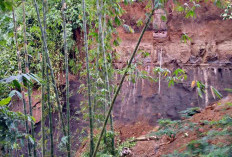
x=5, y=101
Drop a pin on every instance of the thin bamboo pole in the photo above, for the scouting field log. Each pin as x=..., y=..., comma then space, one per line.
x=121, y=82
x=109, y=92
x=101, y=47
x=28, y=71
x=20, y=72
x=88, y=80
x=107, y=84
x=50, y=113
x=50, y=66
x=43, y=85
x=66, y=73
x=43, y=106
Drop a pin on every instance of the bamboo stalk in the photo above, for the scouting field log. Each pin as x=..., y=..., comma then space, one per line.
x=28, y=71
x=66, y=73
x=121, y=82
x=107, y=85
x=88, y=80
x=43, y=85
x=50, y=66
x=109, y=94
x=101, y=47
x=20, y=72
x=43, y=107
x=50, y=113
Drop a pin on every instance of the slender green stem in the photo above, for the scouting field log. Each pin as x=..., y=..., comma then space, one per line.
x=28, y=71
x=120, y=84
x=43, y=84
x=88, y=79
x=66, y=73
x=50, y=67
x=20, y=72
x=107, y=81
x=50, y=113
x=43, y=106
x=107, y=85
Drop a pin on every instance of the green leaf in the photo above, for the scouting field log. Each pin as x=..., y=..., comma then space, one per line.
x=17, y=85
x=163, y=18
x=117, y=21
x=185, y=38
x=34, y=77
x=31, y=119
x=199, y=92
x=171, y=83
x=228, y=90
x=216, y=92
x=31, y=139
x=116, y=43
x=190, y=13
x=5, y=101
x=11, y=78
x=179, y=8
x=15, y=92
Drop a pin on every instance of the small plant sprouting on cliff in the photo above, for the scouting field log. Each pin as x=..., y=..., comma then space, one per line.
x=177, y=76
x=139, y=23
x=185, y=38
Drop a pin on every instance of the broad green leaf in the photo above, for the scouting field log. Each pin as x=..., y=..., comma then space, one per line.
x=34, y=77
x=5, y=101
x=17, y=85
x=15, y=92
x=215, y=92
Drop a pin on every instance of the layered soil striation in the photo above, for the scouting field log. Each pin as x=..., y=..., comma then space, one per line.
x=206, y=57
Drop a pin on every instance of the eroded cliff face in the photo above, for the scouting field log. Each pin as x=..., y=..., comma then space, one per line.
x=207, y=57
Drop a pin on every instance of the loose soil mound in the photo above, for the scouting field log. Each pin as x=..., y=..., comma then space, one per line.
x=165, y=145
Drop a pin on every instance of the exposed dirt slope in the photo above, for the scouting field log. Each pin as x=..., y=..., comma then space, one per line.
x=166, y=145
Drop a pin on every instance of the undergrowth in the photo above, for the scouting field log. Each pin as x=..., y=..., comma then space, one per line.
x=216, y=142
x=105, y=149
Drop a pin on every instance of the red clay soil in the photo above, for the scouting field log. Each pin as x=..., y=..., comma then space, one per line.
x=125, y=131
x=132, y=130
x=164, y=146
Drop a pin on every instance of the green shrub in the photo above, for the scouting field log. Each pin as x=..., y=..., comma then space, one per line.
x=190, y=112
